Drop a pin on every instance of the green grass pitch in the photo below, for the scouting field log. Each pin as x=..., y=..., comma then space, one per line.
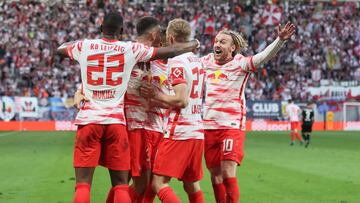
x=36, y=167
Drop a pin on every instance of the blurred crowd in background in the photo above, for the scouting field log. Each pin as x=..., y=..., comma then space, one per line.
x=326, y=44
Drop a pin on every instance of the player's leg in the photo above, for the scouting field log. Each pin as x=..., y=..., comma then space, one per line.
x=297, y=134
x=83, y=178
x=116, y=157
x=153, y=139
x=139, y=164
x=233, y=153
x=193, y=191
x=212, y=152
x=87, y=150
x=292, y=133
x=194, y=172
x=120, y=187
x=170, y=161
x=160, y=185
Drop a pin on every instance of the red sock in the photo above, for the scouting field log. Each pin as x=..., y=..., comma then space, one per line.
x=196, y=197
x=121, y=194
x=149, y=195
x=298, y=136
x=82, y=193
x=167, y=195
x=220, y=192
x=133, y=194
x=232, y=190
x=292, y=136
x=110, y=197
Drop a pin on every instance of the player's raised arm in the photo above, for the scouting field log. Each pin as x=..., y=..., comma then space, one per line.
x=62, y=49
x=70, y=49
x=175, y=49
x=271, y=50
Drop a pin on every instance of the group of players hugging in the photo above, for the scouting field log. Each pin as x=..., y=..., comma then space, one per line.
x=150, y=109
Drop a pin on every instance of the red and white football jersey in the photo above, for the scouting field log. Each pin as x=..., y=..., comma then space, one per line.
x=159, y=79
x=186, y=123
x=135, y=105
x=293, y=111
x=225, y=106
x=106, y=66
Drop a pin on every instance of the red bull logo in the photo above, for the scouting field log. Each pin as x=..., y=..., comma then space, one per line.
x=217, y=76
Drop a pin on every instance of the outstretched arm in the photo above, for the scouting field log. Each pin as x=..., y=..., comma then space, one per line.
x=62, y=50
x=174, y=50
x=271, y=50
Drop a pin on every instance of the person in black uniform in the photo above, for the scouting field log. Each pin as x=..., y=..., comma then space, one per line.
x=307, y=123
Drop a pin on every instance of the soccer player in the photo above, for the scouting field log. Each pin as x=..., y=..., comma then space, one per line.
x=136, y=107
x=179, y=154
x=293, y=112
x=224, y=108
x=307, y=123
x=101, y=138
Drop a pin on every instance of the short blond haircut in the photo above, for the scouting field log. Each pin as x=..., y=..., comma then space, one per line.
x=238, y=40
x=180, y=29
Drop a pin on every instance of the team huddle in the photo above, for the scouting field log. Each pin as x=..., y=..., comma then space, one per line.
x=150, y=109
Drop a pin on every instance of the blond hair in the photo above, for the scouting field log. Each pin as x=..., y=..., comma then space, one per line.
x=238, y=40
x=180, y=29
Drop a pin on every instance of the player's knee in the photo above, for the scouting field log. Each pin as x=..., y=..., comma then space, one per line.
x=216, y=175
x=228, y=169
x=119, y=177
x=191, y=187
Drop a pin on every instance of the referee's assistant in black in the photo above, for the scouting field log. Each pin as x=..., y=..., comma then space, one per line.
x=307, y=123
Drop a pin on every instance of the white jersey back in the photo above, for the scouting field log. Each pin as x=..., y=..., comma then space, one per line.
x=293, y=111
x=106, y=66
x=186, y=123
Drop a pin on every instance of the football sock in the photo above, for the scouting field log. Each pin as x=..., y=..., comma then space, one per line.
x=219, y=192
x=149, y=195
x=232, y=190
x=82, y=193
x=133, y=194
x=121, y=194
x=167, y=195
x=110, y=197
x=196, y=197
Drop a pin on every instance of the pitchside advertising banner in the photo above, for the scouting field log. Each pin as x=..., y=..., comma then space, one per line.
x=264, y=109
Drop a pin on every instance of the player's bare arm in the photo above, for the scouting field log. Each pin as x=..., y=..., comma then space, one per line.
x=179, y=100
x=176, y=49
x=62, y=49
x=270, y=51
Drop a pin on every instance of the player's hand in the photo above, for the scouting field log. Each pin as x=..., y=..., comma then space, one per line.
x=286, y=32
x=147, y=90
x=79, y=100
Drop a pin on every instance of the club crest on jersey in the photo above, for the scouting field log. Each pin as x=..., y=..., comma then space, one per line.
x=178, y=72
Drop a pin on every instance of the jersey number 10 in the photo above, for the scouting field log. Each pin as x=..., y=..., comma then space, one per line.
x=109, y=69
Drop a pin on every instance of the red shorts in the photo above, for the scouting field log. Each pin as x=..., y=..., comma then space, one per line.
x=153, y=139
x=105, y=145
x=181, y=159
x=295, y=125
x=223, y=144
x=139, y=160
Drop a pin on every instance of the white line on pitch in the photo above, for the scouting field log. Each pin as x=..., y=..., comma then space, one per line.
x=8, y=133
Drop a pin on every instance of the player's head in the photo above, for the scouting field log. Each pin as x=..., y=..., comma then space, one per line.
x=148, y=28
x=290, y=101
x=112, y=25
x=178, y=30
x=227, y=44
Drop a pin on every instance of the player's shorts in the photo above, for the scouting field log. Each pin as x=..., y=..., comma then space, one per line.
x=105, y=145
x=153, y=139
x=223, y=144
x=181, y=159
x=306, y=127
x=294, y=125
x=139, y=158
